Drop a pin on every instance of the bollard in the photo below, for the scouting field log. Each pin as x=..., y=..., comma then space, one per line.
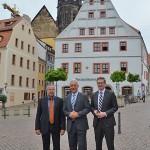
x=4, y=112
x=28, y=111
x=119, y=123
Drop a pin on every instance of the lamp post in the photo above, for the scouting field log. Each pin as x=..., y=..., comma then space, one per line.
x=117, y=88
x=5, y=88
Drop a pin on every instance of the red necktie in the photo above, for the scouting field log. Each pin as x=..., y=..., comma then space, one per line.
x=51, y=111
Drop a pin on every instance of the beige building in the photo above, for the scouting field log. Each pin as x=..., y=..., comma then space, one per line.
x=18, y=60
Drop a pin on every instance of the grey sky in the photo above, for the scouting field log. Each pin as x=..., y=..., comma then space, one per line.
x=134, y=12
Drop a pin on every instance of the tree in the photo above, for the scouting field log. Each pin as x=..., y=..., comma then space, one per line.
x=118, y=76
x=133, y=78
x=56, y=75
x=3, y=98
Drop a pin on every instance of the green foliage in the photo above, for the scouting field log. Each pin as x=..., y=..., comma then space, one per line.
x=118, y=76
x=3, y=98
x=56, y=75
x=133, y=78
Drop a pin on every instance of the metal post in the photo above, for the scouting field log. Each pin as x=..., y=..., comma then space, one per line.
x=4, y=112
x=119, y=123
x=28, y=111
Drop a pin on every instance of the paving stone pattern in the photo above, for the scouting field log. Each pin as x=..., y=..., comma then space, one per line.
x=17, y=132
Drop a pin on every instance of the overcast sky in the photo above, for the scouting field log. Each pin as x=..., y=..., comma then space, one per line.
x=134, y=12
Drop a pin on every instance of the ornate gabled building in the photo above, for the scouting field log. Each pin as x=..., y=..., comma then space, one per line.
x=44, y=27
x=97, y=43
x=66, y=12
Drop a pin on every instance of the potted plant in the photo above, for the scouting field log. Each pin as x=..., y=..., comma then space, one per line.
x=3, y=99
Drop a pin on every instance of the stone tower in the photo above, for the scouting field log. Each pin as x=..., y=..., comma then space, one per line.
x=66, y=12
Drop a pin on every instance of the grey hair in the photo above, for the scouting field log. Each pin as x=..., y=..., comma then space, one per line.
x=49, y=85
x=74, y=80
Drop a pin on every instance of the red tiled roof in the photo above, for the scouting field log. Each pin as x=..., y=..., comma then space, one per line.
x=6, y=30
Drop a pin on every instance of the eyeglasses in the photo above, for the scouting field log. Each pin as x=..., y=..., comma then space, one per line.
x=100, y=82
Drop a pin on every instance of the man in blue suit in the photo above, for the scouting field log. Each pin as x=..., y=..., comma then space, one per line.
x=76, y=107
x=104, y=105
x=50, y=119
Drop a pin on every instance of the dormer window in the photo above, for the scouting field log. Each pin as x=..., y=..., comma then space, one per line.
x=9, y=23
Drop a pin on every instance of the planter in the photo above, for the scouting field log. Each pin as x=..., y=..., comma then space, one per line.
x=120, y=102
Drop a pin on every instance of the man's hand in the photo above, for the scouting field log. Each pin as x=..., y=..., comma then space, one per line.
x=62, y=132
x=101, y=114
x=73, y=115
x=37, y=132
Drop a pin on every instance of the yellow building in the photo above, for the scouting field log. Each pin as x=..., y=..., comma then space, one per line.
x=40, y=80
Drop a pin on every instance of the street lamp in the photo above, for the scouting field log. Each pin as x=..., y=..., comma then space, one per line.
x=5, y=86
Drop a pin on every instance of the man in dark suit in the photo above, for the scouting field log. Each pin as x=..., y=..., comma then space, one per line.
x=76, y=107
x=104, y=105
x=50, y=119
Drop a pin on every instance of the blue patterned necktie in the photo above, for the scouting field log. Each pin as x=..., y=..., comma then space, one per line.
x=100, y=100
x=73, y=101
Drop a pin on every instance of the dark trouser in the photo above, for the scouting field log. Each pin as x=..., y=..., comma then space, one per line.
x=77, y=138
x=100, y=132
x=55, y=138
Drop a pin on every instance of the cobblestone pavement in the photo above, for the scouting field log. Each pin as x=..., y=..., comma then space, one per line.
x=17, y=132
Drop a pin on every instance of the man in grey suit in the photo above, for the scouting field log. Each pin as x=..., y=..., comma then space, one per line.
x=76, y=107
x=104, y=105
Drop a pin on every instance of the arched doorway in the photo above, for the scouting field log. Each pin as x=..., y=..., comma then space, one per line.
x=127, y=90
x=87, y=90
x=65, y=91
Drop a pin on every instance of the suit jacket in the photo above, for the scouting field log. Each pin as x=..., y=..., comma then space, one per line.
x=82, y=107
x=42, y=115
x=109, y=106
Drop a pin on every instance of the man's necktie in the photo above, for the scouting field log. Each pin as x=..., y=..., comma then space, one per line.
x=73, y=101
x=51, y=111
x=100, y=100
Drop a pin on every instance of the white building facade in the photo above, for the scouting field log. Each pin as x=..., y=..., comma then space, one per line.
x=19, y=61
x=97, y=43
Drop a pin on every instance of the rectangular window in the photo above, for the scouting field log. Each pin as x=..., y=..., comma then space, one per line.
x=13, y=59
x=22, y=45
x=102, y=2
x=105, y=46
x=26, y=96
x=123, y=46
x=96, y=47
x=65, y=66
x=103, y=14
x=102, y=31
x=65, y=48
x=91, y=15
x=28, y=48
x=82, y=31
x=12, y=79
x=39, y=67
x=105, y=68
x=78, y=47
x=96, y=68
x=91, y=2
x=33, y=83
x=111, y=30
x=33, y=50
x=16, y=42
x=42, y=68
x=27, y=82
x=22, y=27
x=21, y=61
x=20, y=80
x=33, y=66
x=28, y=64
x=123, y=66
x=77, y=68
x=91, y=31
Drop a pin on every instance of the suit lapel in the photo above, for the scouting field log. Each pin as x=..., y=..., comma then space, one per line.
x=77, y=99
x=96, y=99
